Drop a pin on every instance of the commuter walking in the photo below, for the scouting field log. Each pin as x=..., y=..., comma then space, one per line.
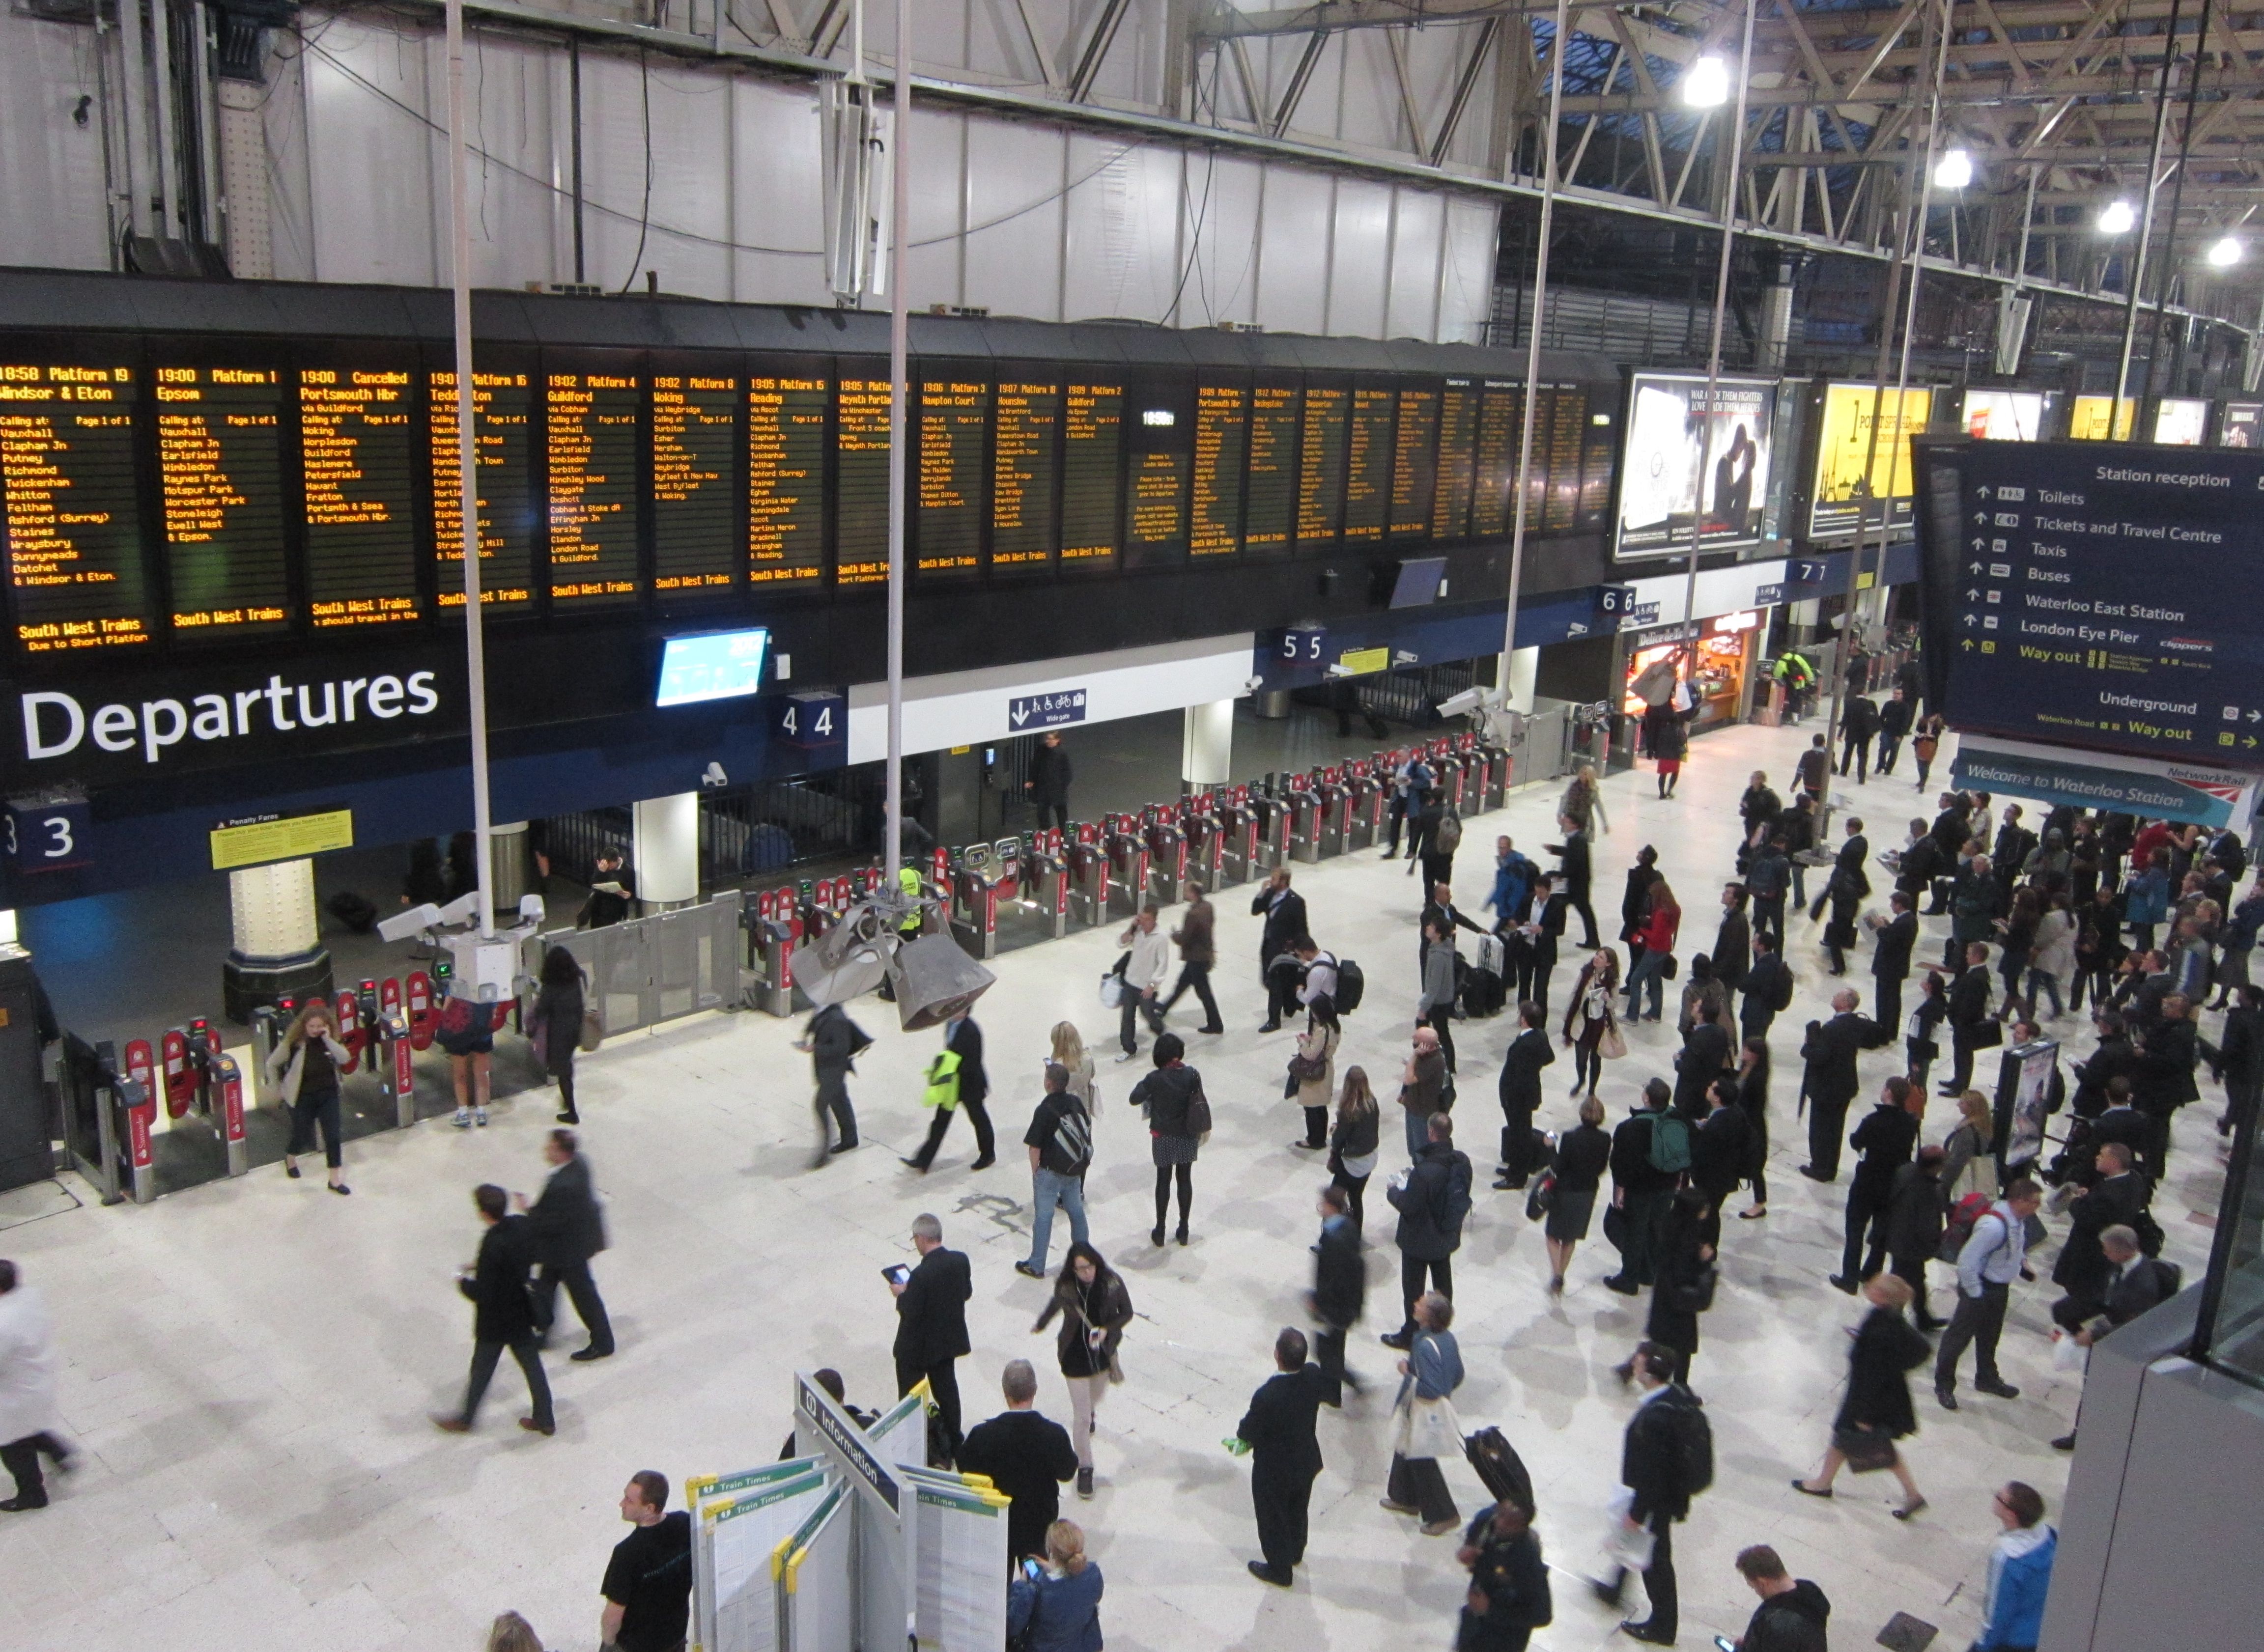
x=648, y=1583
x=1024, y=1455
x=1793, y=1614
x=1508, y=1597
x=553, y=1025
x=1575, y=1179
x=1894, y=725
x=1171, y=1099
x=304, y=1069
x=1094, y=1307
x=1878, y=1411
x=1197, y=951
x=1769, y=876
x=1590, y=1027
x=1049, y=776
x=1914, y=1224
x=1584, y=803
x=1686, y=1273
x=1884, y=1142
x=1433, y=1197
x=833, y=1042
x=1059, y=1609
x=1987, y=1264
x=956, y=1079
x=1146, y=967
x=465, y=1034
x=931, y=1329
x=1442, y=838
x=1434, y=1008
x=1576, y=871
x=1355, y=1143
x=1410, y=785
x=1285, y=1456
x=1520, y=1094
x=1925, y=743
x=1813, y=770
x=1666, y=734
x=2020, y=1572
x=1313, y=1071
x=1423, y=1085
x=1859, y=725
x=502, y=1314
x=1339, y=1290
x=1425, y=1427
x=1060, y=1143
x=1283, y=908
x=31, y=1426
x=568, y=1229
x=1668, y=1440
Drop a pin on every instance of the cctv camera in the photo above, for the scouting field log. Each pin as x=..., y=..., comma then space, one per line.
x=714, y=777
x=402, y=926
x=1251, y=685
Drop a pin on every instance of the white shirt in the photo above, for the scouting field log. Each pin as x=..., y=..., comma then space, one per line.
x=1151, y=959
x=27, y=1366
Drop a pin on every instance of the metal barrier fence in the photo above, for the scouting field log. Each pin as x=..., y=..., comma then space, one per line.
x=655, y=968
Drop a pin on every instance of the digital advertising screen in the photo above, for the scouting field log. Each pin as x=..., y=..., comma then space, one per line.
x=1862, y=457
x=2180, y=421
x=2243, y=422
x=719, y=665
x=2088, y=414
x=2004, y=416
x=1694, y=465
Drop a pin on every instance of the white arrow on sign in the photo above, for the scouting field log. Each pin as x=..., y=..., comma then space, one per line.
x=1019, y=715
x=1966, y=618
x=2256, y=716
x=1972, y=596
x=1974, y=566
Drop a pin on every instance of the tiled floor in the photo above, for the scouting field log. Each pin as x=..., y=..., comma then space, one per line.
x=250, y=1364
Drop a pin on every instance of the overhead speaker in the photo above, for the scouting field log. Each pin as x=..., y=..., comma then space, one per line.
x=849, y=960
x=935, y=981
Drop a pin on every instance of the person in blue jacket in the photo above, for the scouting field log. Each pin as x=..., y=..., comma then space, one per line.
x=1060, y=1605
x=2020, y=1572
x=1513, y=885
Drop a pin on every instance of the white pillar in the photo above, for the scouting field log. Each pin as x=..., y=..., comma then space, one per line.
x=8, y=927
x=666, y=850
x=1515, y=671
x=1206, y=747
x=277, y=951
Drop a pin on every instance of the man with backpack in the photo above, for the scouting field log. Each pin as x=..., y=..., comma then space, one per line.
x=1410, y=790
x=1665, y=1460
x=1989, y=1249
x=1433, y=1197
x=1768, y=983
x=1650, y=1150
x=1060, y=1139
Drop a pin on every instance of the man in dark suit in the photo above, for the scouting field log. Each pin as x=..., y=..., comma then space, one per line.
x=1704, y=1056
x=1339, y=1290
x=1969, y=1015
x=1830, y=1051
x=1848, y=879
x=931, y=1327
x=1520, y=1093
x=2015, y=843
x=1891, y=941
x=1639, y=1190
x=1733, y=941
x=1768, y=987
x=2117, y=1199
x=567, y=1230
x=1651, y=1467
x=1577, y=873
x=2133, y=1283
x=1285, y=1456
x=962, y=1037
x=502, y=1314
x=1720, y=1145
x=1283, y=908
x=1886, y=1140
x=1026, y=1456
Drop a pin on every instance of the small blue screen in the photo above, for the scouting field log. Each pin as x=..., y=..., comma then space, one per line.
x=720, y=665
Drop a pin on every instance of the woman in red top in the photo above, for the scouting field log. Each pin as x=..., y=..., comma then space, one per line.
x=1661, y=926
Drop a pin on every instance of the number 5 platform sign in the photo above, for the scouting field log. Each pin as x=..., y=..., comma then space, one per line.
x=48, y=833
x=813, y=719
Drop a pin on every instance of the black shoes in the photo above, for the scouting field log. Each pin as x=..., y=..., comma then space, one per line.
x=2064, y=1443
x=1815, y=1175
x=1155, y=1238
x=1265, y=1574
x=984, y=1163
x=1645, y=1634
x=1997, y=1388
x=1948, y=1401
x=23, y=1505
x=1841, y=1282
x=1270, y=1026
x=1211, y=1029
x=1620, y=1283
x=1181, y=1236
x=582, y=1356
x=533, y=1427
x=1397, y=1339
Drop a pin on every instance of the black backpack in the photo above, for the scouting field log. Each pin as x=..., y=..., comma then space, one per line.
x=1692, y=1437
x=1351, y=985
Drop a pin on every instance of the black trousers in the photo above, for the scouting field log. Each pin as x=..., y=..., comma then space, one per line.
x=1911, y=1272
x=1517, y=1143
x=1579, y=903
x=1980, y=1321
x=1354, y=1187
x=1281, y=1498
x=1437, y=868
x=1961, y=1065
x=1867, y=1215
x=582, y=1291
x=1442, y=1021
x=1281, y=989
x=1768, y=918
x=1196, y=978
x=1053, y=812
x=486, y=1354
x=985, y=1139
x=1755, y=1018
x=1658, y=1579
x=1329, y=1354
x=1859, y=752
x=1827, y=1128
x=1317, y=1127
x=1887, y=992
x=1639, y=1245
x=1536, y=986
x=309, y=1111
x=1418, y=1482
x=1411, y=1273
x=943, y=1385
x=833, y=1103
x=22, y=1459
x=1397, y=814
x=1890, y=747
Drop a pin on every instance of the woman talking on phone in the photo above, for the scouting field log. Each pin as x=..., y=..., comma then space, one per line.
x=305, y=1069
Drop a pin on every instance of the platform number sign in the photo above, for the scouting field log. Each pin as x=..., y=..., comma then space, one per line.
x=813, y=719
x=47, y=835
x=1303, y=647
x=1614, y=603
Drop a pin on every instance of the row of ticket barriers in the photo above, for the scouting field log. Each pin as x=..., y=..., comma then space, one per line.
x=381, y=1024
x=1038, y=886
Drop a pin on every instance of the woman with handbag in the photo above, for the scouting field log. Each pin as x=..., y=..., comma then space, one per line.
x=1355, y=1142
x=1878, y=1411
x=1094, y=1309
x=1683, y=1286
x=304, y=1068
x=1171, y=1099
x=1662, y=924
x=1313, y=1070
x=555, y=1025
x=1582, y=1153
x=1425, y=1427
x=1590, y=1012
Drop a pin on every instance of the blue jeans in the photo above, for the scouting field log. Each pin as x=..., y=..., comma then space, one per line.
x=1799, y=884
x=1418, y=1131
x=2043, y=981
x=1046, y=1191
x=1647, y=969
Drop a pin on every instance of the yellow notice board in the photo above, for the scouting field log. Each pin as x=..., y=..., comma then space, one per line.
x=253, y=842
x=1853, y=472
x=1360, y=661
x=2087, y=422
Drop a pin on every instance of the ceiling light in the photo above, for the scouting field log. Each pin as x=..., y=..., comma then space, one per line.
x=1706, y=82
x=2226, y=252
x=1954, y=169
x=2116, y=218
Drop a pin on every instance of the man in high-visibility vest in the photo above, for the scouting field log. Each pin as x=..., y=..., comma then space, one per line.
x=1798, y=677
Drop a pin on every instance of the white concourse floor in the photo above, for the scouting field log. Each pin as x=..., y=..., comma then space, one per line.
x=250, y=1366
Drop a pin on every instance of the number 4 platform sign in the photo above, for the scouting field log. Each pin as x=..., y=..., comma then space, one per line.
x=813, y=719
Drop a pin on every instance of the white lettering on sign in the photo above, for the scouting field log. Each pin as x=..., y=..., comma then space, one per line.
x=55, y=724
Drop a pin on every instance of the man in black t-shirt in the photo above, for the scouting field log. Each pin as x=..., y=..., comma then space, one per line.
x=1060, y=1141
x=648, y=1587
x=1026, y=1456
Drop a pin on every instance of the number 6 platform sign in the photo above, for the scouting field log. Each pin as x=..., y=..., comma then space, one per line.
x=48, y=833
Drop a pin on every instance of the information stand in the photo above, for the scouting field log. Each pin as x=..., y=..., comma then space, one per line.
x=817, y=1578
x=733, y=1589
x=958, y=1541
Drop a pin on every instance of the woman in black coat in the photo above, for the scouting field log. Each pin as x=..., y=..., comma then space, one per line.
x=1887, y=1349
x=1752, y=1100
x=1575, y=1175
x=1685, y=1264
x=556, y=1021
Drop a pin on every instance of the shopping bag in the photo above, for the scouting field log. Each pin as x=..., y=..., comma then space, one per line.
x=1627, y=1549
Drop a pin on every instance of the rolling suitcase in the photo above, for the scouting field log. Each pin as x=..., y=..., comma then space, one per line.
x=1498, y=1463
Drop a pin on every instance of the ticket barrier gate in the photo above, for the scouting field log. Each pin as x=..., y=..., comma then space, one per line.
x=392, y=1060
x=1167, y=854
x=1271, y=816
x=1452, y=786
x=1127, y=864
x=1496, y=772
x=1238, y=839
x=1045, y=880
x=1363, y=810
x=1206, y=838
x=1302, y=807
x=227, y=1113
x=774, y=926
x=1336, y=812
x=980, y=876
x=108, y=1117
x=1088, y=876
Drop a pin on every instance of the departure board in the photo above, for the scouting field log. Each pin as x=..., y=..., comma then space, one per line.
x=786, y=480
x=1026, y=428
x=72, y=508
x=1221, y=450
x=954, y=420
x=590, y=441
x=695, y=484
x=1596, y=474
x=1321, y=471
x=1458, y=432
x=1414, y=462
x=502, y=447
x=357, y=464
x=1367, y=475
x=1092, y=436
x=1501, y=426
x=1567, y=431
x=219, y=474
x=1270, y=507
x=1157, y=528
x=860, y=521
